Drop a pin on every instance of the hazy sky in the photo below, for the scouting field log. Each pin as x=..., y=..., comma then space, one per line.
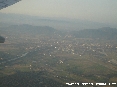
x=93, y=10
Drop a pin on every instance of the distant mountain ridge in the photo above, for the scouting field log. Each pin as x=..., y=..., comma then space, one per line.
x=57, y=23
x=29, y=29
x=102, y=33
x=25, y=29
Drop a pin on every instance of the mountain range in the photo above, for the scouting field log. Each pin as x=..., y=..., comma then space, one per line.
x=57, y=23
x=25, y=29
x=101, y=33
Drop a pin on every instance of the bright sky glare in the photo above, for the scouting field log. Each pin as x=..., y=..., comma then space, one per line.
x=92, y=10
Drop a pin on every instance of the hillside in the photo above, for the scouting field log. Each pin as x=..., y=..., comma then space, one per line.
x=102, y=33
x=27, y=30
